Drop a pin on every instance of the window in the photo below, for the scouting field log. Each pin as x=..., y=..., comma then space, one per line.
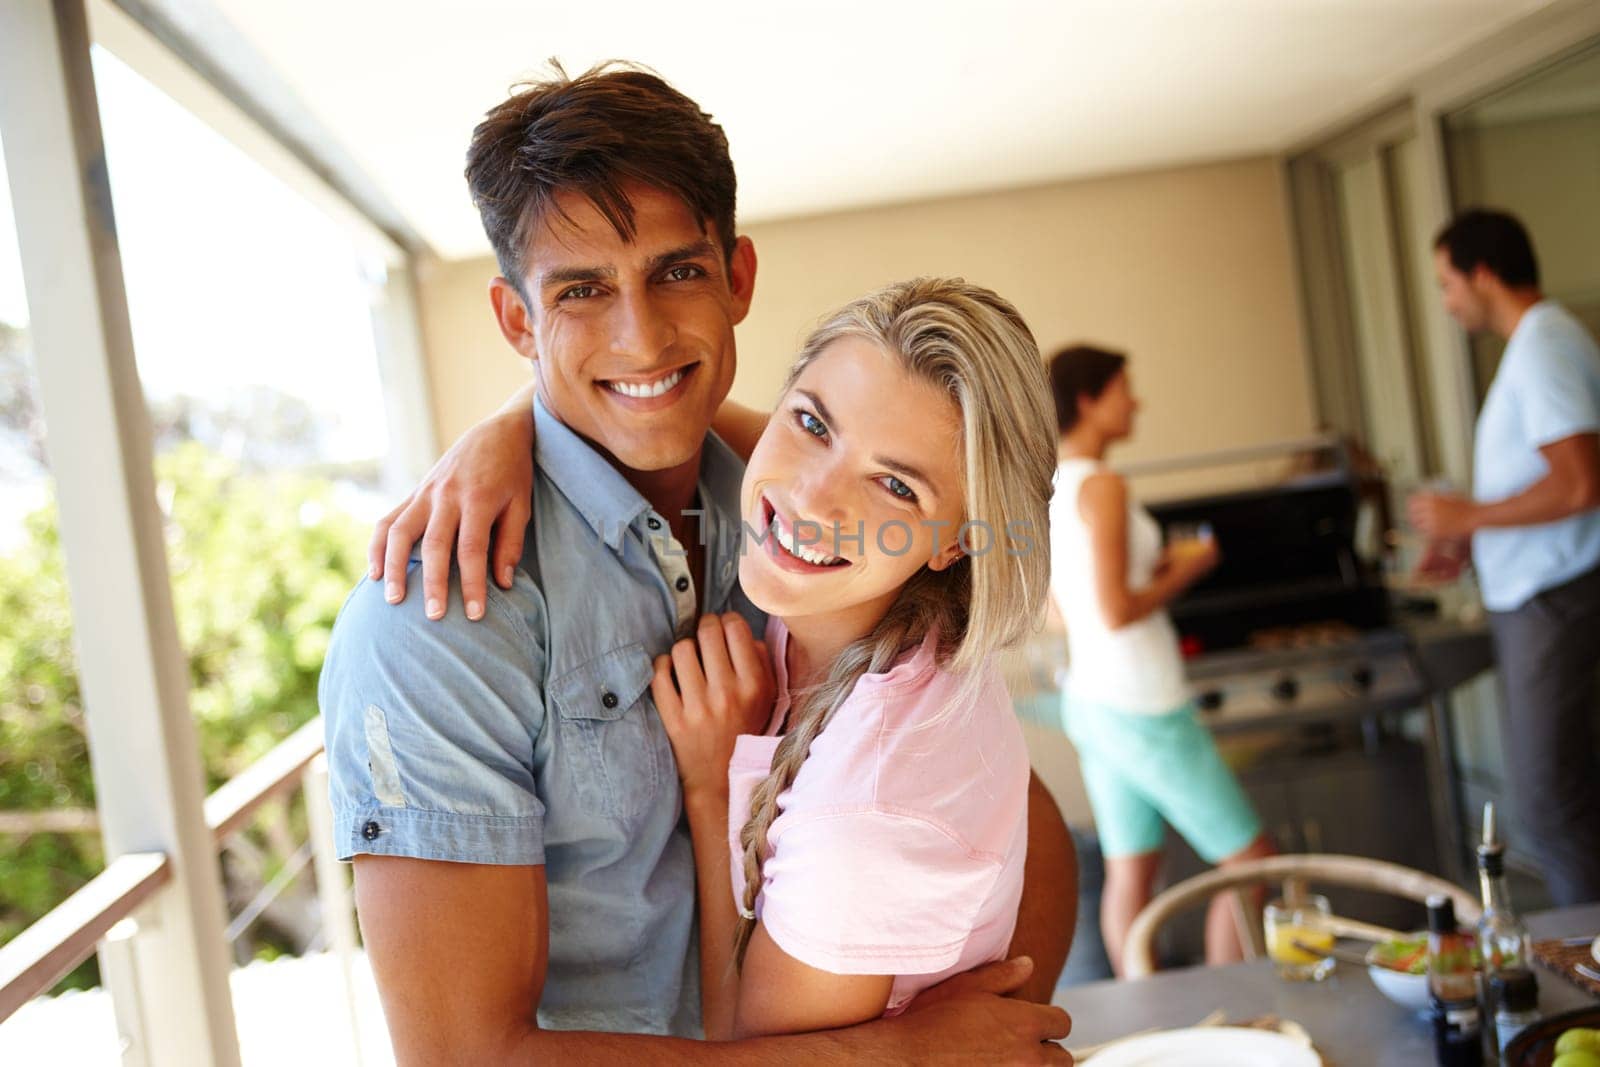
x=1533, y=148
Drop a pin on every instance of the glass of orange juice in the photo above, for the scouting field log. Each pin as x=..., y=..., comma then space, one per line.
x=1296, y=936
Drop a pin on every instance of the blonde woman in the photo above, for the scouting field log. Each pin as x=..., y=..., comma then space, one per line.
x=877, y=825
x=863, y=837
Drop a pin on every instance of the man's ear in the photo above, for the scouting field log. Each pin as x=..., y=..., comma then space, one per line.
x=742, y=277
x=516, y=325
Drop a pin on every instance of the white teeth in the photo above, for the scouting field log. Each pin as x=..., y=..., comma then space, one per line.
x=798, y=550
x=646, y=391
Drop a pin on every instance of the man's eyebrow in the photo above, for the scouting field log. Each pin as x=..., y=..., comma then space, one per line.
x=573, y=275
x=569, y=275
x=697, y=250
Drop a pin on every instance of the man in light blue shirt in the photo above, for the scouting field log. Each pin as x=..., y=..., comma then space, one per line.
x=1534, y=526
x=499, y=776
x=584, y=784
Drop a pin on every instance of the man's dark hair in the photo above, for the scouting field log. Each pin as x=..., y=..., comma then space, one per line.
x=1492, y=239
x=1078, y=371
x=613, y=124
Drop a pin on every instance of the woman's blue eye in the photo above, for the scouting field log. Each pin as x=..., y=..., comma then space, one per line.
x=899, y=488
x=812, y=425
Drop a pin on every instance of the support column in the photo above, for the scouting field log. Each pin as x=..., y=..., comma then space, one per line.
x=142, y=740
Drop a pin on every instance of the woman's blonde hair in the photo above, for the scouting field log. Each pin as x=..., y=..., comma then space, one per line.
x=969, y=342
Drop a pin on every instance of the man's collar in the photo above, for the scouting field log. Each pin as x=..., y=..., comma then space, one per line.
x=721, y=476
x=597, y=489
x=605, y=499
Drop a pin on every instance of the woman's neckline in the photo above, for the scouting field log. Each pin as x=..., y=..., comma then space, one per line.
x=906, y=669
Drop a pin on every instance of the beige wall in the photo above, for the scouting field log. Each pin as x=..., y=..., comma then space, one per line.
x=471, y=369
x=1188, y=269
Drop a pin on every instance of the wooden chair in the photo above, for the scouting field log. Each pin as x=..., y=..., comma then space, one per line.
x=1138, y=958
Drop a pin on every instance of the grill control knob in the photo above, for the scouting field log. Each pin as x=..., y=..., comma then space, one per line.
x=1363, y=676
x=1285, y=689
x=1210, y=700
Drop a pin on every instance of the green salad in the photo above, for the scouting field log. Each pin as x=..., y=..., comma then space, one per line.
x=1409, y=955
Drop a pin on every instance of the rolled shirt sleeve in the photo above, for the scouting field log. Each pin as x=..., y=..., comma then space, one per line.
x=874, y=892
x=431, y=726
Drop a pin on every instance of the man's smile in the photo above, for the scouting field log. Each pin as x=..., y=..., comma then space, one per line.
x=650, y=392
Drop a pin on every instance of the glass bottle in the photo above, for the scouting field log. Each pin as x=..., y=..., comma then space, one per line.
x=1452, y=988
x=1516, y=1000
x=1503, y=941
x=1502, y=938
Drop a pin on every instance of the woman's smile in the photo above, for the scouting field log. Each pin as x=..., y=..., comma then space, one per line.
x=796, y=546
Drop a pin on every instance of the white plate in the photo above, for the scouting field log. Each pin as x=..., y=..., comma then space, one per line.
x=1208, y=1046
x=1594, y=950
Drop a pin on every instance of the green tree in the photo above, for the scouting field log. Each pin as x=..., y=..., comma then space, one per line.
x=260, y=564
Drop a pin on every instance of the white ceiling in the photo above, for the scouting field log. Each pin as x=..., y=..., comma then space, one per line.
x=832, y=104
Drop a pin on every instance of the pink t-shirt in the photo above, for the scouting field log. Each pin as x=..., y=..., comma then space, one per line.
x=899, y=847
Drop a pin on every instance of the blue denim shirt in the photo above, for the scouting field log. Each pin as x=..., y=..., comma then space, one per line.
x=530, y=737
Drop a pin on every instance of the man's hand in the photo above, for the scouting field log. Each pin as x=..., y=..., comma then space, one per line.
x=1442, y=516
x=712, y=688
x=483, y=484
x=1442, y=561
x=972, y=1018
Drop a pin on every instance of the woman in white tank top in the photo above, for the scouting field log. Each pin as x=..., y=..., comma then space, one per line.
x=1147, y=762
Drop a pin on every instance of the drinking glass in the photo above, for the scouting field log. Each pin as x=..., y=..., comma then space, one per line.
x=1294, y=928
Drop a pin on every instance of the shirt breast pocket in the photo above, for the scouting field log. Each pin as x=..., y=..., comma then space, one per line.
x=618, y=750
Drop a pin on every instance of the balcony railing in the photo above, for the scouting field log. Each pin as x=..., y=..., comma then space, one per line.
x=95, y=917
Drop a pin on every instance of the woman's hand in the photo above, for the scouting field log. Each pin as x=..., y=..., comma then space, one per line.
x=483, y=484
x=1191, y=559
x=712, y=688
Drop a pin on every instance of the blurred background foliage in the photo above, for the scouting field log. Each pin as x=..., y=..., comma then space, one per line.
x=260, y=562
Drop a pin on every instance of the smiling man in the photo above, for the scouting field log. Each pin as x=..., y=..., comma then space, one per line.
x=524, y=876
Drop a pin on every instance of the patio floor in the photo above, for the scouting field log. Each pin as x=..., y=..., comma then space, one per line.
x=289, y=1011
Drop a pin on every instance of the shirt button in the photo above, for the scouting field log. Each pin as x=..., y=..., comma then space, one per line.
x=653, y=522
x=682, y=583
x=609, y=700
x=371, y=831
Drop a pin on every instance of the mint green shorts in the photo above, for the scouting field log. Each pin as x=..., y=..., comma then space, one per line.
x=1143, y=770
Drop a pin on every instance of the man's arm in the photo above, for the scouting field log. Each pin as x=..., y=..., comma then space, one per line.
x=459, y=953
x=1571, y=486
x=740, y=427
x=1049, y=910
x=480, y=493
